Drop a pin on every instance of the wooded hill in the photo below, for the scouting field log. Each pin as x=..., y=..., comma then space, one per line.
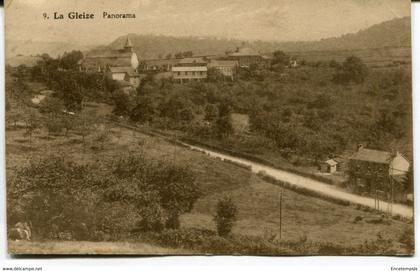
x=393, y=33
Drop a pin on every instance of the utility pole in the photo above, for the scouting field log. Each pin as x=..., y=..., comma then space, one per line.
x=174, y=159
x=280, y=214
x=392, y=194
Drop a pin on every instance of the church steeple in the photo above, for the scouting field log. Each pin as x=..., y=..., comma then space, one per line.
x=128, y=45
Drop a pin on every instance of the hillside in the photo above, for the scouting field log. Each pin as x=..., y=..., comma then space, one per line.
x=27, y=48
x=394, y=33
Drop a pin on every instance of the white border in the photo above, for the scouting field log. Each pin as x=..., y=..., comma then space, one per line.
x=219, y=263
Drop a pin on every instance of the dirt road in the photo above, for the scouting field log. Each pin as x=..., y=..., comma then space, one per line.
x=313, y=184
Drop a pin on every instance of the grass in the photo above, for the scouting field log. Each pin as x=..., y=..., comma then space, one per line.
x=257, y=200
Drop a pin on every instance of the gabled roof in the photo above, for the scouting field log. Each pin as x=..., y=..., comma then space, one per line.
x=375, y=156
x=331, y=162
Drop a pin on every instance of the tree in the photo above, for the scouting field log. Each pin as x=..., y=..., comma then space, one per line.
x=51, y=105
x=177, y=190
x=211, y=112
x=143, y=111
x=214, y=75
x=122, y=103
x=226, y=215
x=69, y=61
x=280, y=60
x=32, y=123
x=224, y=126
x=352, y=70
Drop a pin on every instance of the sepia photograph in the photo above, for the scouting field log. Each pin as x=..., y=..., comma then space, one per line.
x=224, y=127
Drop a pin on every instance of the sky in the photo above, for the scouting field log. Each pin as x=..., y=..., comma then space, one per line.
x=280, y=20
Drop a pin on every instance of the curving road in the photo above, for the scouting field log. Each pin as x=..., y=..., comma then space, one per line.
x=311, y=184
x=298, y=180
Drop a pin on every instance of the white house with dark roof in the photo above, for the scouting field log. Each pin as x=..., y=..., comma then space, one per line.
x=190, y=69
x=246, y=56
x=379, y=172
x=397, y=164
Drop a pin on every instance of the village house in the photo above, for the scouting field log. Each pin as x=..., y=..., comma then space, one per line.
x=373, y=171
x=127, y=74
x=246, y=57
x=190, y=69
x=158, y=65
x=226, y=67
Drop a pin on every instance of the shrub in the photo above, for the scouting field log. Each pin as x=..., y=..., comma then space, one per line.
x=225, y=217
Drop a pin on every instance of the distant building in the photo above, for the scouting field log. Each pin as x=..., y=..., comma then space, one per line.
x=100, y=62
x=226, y=67
x=158, y=65
x=373, y=170
x=190, y=69
x=124, y=74
x=329, y=166
x=246, y=57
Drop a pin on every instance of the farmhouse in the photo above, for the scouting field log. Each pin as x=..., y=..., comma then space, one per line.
x=190, y=69
x=373, y=170
x=246, y=57
x=124, y=74
x=158, y=65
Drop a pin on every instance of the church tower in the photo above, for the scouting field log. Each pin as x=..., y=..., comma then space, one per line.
x=128, y=46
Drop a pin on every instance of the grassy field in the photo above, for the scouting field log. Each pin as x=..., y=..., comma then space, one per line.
x=258, y=201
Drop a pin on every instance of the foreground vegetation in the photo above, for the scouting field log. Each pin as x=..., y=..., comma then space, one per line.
x=319, y=227
x=120, y=185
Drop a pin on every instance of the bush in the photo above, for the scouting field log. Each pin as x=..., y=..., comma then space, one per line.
x=225, y=217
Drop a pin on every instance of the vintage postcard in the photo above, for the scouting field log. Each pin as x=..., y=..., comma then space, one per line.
x=234, y=127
